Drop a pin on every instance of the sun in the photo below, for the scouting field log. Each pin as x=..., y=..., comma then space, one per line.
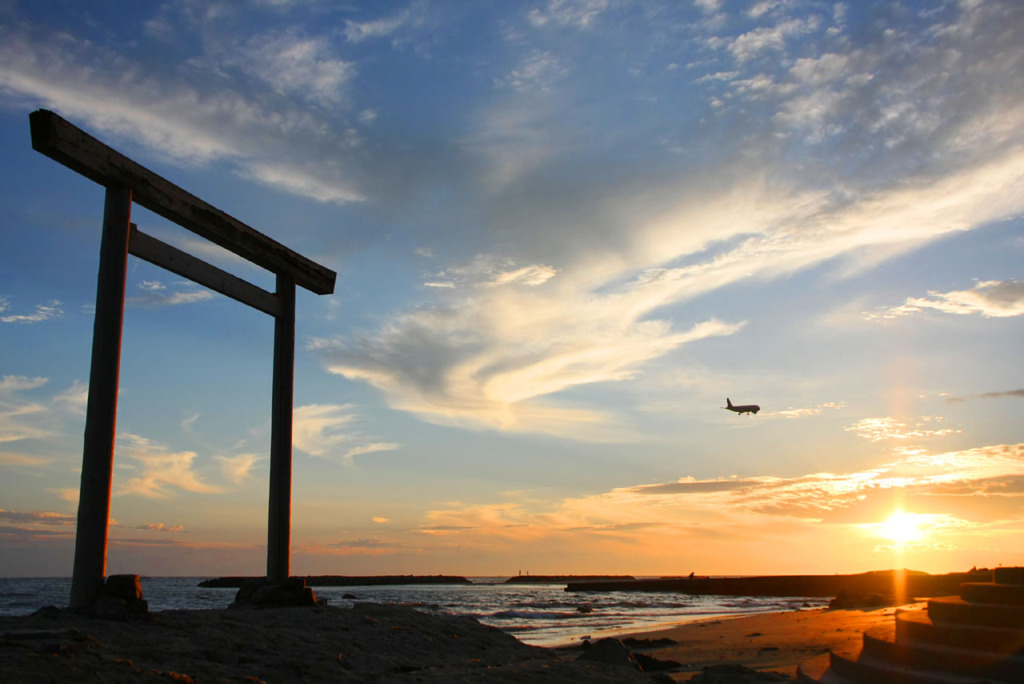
x=900, y=528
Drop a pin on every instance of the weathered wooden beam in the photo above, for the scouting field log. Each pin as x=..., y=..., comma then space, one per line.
x=279, y=518
x=184, y=264
x=101, y=410
x=79, y=151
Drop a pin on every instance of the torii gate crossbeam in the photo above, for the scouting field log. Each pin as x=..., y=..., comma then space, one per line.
x=127, y=182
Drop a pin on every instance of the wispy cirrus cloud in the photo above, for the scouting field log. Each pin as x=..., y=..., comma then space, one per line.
x=207, y=115
x=408, y=18
x=154, y=293
x=157, y=470
x=330, y=430
x=578, y=14
x=42, y=312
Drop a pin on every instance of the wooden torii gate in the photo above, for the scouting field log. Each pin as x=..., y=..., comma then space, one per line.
x=126, y=182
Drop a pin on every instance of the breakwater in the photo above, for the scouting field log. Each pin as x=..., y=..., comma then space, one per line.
x=566, y=579
x=343, y=581
x=908, y=583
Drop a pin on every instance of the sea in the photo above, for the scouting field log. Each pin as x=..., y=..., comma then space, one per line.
x=536, y=614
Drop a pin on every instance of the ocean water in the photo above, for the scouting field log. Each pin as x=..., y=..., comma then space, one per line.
x=542, y=615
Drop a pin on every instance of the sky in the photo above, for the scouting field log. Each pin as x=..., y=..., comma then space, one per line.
x=565, y=231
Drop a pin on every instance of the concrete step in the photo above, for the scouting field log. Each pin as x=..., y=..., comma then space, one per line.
x=817, y=671
x=866, y=669
x=990, y=592
x=916, y=625
x=880, y=643
x=952, y=609
x=1008, y=575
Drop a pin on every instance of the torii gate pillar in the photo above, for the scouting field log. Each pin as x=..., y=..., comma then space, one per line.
x=101, y=411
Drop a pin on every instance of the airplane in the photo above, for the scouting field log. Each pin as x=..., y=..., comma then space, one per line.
x=749, y=408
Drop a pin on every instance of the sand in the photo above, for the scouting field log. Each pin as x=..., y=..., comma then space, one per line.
x=381, y=643
x=772, y=642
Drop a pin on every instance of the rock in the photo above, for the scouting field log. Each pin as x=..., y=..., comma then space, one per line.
x=127, y=587
x=737, y=674
x=649, y=643
x=611, y=651
x=649, y=664
x=846, y=600
x=261, y=593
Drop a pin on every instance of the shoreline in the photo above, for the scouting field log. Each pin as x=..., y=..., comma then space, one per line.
x=768, y=642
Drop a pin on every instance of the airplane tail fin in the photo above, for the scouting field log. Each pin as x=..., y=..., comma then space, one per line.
x=728, y=402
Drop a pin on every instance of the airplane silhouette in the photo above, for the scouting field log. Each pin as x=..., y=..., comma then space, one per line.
x=749, y=408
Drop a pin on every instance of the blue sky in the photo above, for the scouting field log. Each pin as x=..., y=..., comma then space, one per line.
x=564, y=232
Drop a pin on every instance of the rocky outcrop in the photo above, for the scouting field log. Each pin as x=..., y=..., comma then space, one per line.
x=120, y=599
x=260, y=593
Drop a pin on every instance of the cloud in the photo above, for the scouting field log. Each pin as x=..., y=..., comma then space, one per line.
x=238, y=468
x=538, y=72
x=20, y=418
x=410, y=17
x=43, y=312
x=156, y=294
x=207, y=112
x=880, y=429
x=38, y=517
x=158, y=469
x=74, y=399
x=294, y=64
x=975, y=490
x=578, y=14
x=11, y=458
x=990, y=298
x=1018, y=393
x=160, y=527
x=747, y=45
x=329, y=430
x=808, y=411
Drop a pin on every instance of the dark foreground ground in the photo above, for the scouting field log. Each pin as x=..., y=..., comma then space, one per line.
x=367, y=643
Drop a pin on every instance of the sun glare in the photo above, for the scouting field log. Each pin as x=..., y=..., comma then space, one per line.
x=900, y=528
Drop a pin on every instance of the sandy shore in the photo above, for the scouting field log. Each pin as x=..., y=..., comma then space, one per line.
x=772, y=642
x=378, y=643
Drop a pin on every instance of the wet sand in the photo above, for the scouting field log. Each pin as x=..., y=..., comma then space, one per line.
x=772, y=642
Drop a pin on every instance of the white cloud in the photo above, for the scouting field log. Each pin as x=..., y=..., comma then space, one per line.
x=74, y=399
x=748, y=45
x=238, y=468
x=43, y=312
x=410, y=17
x=880, y=429
x=157, y=469
x=990, y=298
x=539, y=71
x=210, y=115
x=330, y=430
x=578, y=14
x=298, y=65
x=156, y=294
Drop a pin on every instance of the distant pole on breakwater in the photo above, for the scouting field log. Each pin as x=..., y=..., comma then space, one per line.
x=126, y=182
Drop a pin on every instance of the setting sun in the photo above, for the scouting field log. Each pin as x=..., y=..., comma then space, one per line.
x=901, y=528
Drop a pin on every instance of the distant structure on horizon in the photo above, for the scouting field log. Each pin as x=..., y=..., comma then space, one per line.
x=748, y=408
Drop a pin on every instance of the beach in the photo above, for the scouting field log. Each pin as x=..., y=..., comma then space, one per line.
x=382, y=643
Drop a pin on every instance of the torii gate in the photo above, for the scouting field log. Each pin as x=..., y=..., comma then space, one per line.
x=126, y=181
